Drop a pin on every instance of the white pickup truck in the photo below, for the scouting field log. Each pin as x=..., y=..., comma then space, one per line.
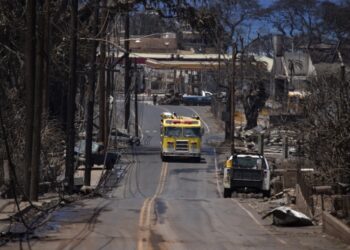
x=247, y=172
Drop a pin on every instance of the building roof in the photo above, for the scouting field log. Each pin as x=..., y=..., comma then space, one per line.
x=154, y=45
x=182, y=65
x=190, y=61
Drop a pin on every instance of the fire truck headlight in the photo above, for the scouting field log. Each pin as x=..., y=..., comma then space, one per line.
x=194, y=146
x=170, y=145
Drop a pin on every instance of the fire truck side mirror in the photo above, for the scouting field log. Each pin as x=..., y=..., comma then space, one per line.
x=202, y=131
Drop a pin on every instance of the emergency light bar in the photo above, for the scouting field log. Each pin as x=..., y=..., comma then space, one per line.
x=181, y=122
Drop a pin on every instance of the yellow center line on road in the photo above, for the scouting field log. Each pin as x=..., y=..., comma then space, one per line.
x=146, y=212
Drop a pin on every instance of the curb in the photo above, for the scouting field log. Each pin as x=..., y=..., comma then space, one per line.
x=335, y=227
x=8, y=202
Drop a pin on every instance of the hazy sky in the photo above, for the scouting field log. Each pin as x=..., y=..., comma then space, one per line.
x=266, y=2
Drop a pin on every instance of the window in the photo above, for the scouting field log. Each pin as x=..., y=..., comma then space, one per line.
x=248, y=162
x=173, y=131
x=192, y=132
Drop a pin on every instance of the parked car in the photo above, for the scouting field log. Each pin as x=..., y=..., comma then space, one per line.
x=246, y=171
x=98, y=156
x=125, y=137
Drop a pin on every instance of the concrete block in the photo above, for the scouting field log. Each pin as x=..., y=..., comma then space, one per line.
x=301, y=203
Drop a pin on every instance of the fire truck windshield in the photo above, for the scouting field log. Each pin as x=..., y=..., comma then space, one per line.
x=185, y=132
x=173, y=131
x=191, y=132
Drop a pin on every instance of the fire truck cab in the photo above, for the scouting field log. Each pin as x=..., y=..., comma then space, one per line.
x=180, y=136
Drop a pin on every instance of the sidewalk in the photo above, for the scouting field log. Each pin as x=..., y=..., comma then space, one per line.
x=4, y=208
x=96, y=174
x=9, y=212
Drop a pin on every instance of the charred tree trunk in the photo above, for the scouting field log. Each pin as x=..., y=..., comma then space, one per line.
x=37, y=109
x=46, y=28
x=253, y=102
x=29, y=76
x=91, y=100
x=72, y=90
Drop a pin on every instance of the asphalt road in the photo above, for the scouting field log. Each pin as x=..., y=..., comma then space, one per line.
x=174, y=205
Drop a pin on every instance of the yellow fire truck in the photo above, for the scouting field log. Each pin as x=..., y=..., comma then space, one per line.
x=180, y=136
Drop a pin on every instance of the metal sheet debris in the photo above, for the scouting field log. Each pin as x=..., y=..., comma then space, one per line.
x=285, y=216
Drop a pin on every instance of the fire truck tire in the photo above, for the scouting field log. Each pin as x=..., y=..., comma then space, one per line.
x=164, y=158
x=227, y=193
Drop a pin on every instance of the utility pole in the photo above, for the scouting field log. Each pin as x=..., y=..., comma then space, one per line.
x=29, y=73
x=233, y=99
x=34, y=183
x=108, y=94
x=72, y=89
x=127, y=79
x=136, y=77
x=102, y=79
x=219, y=77
x=91, y=100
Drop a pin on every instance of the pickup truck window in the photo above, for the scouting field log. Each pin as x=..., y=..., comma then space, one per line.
x=248, y=163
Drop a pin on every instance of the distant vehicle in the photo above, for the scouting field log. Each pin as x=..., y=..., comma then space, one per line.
x=125, y=137
x=203, y=99
x=98, y=156
x=180, y=136
x=170, y=98
x=247, y=172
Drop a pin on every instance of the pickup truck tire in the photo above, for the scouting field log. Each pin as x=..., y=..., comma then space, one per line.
x=227, y=193
x=198, y=159
x=266, y=193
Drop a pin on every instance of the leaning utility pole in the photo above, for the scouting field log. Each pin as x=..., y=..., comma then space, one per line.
x=127, y=79
x=233, y=99
x=35, y=176
x=72, y=90
x=91, y=99
x=29, y=76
